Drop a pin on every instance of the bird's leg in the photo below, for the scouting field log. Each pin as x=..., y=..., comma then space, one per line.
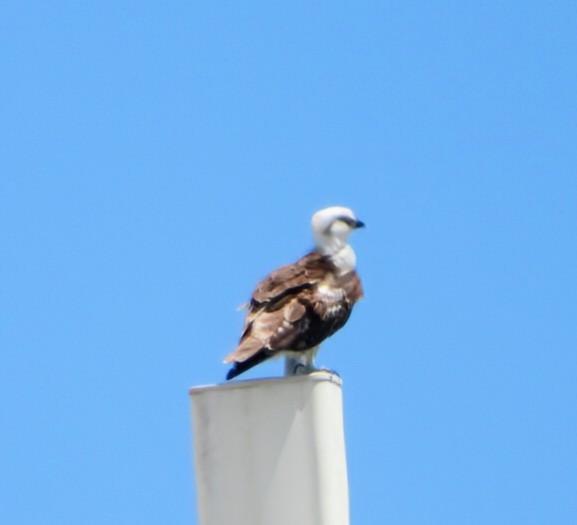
x=295, y=366
x=300, y=363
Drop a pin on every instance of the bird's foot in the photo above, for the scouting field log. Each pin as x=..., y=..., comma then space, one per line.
x=300, y=369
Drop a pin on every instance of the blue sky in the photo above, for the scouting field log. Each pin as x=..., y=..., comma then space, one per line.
x=159, y=158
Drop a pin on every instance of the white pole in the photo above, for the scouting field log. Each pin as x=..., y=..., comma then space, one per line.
x=271, y=452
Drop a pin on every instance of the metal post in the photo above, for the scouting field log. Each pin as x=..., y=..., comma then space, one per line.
x=271, y=452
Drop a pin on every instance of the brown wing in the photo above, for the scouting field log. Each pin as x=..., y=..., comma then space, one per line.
x=275, y=306
x=291, y=279
x=352, y=286
x=288, y=313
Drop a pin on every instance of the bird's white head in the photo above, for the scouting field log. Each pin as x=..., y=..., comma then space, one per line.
x=332, y=227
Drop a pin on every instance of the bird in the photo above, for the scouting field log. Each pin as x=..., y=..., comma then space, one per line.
x=298, y=306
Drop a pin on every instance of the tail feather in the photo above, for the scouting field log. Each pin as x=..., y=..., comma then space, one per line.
x=241, y=367
x=248, y=347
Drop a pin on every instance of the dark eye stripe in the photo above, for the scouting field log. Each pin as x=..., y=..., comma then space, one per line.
x=347, y=220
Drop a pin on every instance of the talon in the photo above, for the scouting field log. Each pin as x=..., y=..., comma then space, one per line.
x=300, y=369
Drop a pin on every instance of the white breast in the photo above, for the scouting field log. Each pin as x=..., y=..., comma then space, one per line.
x=330, y=294
x=345, y=259
x=333, y=299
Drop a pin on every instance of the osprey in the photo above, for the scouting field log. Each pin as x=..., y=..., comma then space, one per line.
x=299, y=305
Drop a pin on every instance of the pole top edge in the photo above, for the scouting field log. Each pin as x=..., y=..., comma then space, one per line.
x=318, y=375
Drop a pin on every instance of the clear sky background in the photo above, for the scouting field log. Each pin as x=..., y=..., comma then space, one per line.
x=159, y=158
